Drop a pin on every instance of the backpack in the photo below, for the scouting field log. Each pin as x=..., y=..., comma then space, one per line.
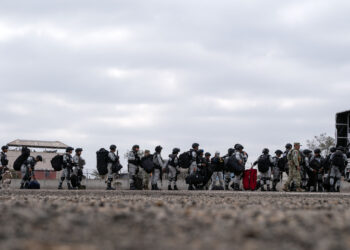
x=264, y=163
x=21, y=159
x=218, y=188
x=194, y=179
x=57, y=162
x=338, y=160
x=147, y=164
x=74, y=181
x=281, y=163
x=315, y=164
x=138, y=182
x=116, y=167
x=102, y=161
x=233, y=165
x=185, y=159
x=34, y=184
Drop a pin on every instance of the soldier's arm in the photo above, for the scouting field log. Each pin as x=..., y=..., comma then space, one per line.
x=295, y=159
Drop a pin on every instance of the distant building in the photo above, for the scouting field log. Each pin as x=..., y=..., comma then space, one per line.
x=47, y=149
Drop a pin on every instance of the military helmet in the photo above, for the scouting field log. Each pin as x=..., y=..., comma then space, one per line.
x=333, y=149
x=207, y=154
x=135, y=147
x=307, y=151
x=158, y=149
x=239, y=147
x=78, y=150
x=113, y=147
x=201, y=151
x=278, y=152
x=265, y=151
x=231, y=151
x=39, y=158
x=195, y=145
x=4, y=147
x=289, y=146
x=317, y=151
x=176, y=151
x=69, y=149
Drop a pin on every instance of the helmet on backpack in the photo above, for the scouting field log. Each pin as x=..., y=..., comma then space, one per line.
x=69, y=149
x=289, y=146
x=195, y=145
x=176, y=151
x=278, y=152
x=317, y=151
x=158, y=149
x=265, y=151
x=39, y=158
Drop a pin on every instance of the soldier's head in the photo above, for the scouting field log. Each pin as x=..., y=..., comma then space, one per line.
x=158, y=149
x=147, y=152
x=78, y=151
x=200, y=152
x=176, y=151
x=333, y=149
x=231, y=151
x=69, y=150
x=4, y=148
x=217, y=154
x=266, y=151
x=195, y=146
x=317, y=152
x=297, y=145
x=113, y=148
x=39, y=158
x=289, y=146
x=239, y=147
x=207, y=155
x=136, y=148
x=278, y=153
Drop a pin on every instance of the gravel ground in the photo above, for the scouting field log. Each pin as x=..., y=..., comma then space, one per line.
x=86, y=220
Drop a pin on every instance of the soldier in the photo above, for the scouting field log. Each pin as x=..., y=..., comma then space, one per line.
x=242, y=158
x=294, y=161
x=173, y=168
x=339, y=160
x=264, y=162
x=316, y=171
x=285, y=154
x=228, y=173
x=194, y=161
x=218, y=170
x=206, y=170
x=27, y=170
x=113, y=159
x=144, y=175
x=277, y=169
x=79, y=163
x=3, y=160
x=305, y=171
x=67, y=168
x=159, y=165
x=134, y=162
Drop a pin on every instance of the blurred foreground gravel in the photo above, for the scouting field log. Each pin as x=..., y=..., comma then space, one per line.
x=87, y=220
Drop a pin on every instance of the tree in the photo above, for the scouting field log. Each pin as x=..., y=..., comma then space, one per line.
x=323, y=142
x=96, y=175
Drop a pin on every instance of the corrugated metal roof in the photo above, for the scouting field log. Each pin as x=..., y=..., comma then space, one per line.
x=37, y=144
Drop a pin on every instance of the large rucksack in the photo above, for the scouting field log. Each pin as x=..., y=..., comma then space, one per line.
x=315, y=164
x=21, y=159
x=138, y=183
x=185, y=159
x=338, y=160
x=233, y=165
x=194, y=179
x=264, y=163
x=102, y=161
x=147, y=164
x=57, y=162
x=34, y=184
x=116, y=167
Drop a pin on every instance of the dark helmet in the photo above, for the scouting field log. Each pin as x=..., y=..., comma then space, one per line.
x=4, y=147
x=333, y=149
x=39, y=158
x=113, y=147
x=289, y=146
x=195, y=145
x=207, y=154
x=265, y=151
x=239, y=147
x=135, y=147
x=176, y=151
x=201, y=151
x=78, y=150
x=231, y=151
x=278, y=152
x=307, y=151
x=317, y=151
x=69, y=149
x=158, y=149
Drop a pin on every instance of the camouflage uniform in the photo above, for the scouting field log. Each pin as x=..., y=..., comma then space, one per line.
x=294, y=160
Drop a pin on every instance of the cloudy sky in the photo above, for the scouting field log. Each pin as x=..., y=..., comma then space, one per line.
x=92, y=73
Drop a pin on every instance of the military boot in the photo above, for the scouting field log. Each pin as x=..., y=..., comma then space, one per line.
x=274, y=188
x=175, y=188
x=132, y=186
x=262, y=189
x=226, y=188
x=298, y=189
x=22, y=186
x=109, y=186
x=69, y=186
x=190, y=187
x=59, y=186
x=156, y=187
x=268, y=188
x=285, y=188
x=169, y=187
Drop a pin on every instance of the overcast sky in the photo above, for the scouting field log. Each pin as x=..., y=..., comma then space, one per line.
x=92, y=73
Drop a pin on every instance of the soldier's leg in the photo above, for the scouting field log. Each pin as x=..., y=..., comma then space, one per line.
x=155, y=178
x=221, y=179
x=68, y=179
x=338, y=179
x=63, y=177
x=227, y=180
x=332, y=178
x=109, y=177
x=268, y=179
x=132, y=173
x=213, y=180
x=24, y=176
x=193, y=169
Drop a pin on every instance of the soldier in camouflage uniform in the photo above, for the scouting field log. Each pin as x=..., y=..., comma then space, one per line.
x=294, y=160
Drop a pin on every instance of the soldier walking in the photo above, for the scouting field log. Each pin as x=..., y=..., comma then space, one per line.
x=294, y=161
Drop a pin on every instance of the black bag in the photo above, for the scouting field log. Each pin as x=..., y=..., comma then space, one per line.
x=281, y=164
x=34, y=184
x=264, y=163
x=102, y=161
x=218, y=188
x=185, y=159
x=147, y=164
x=194, y=179
x=4, y=162
x=233, y=165
x=338, y=160
x=57, y=162
x=74, y=180
x=315, y=164
x=21, y=159
x=116, y=167
x=138, y=183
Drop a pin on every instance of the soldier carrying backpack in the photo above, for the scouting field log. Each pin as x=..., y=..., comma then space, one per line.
x=264, y=162
x=339, y=161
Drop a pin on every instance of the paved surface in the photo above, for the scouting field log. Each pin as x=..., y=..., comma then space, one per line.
x=87, y=220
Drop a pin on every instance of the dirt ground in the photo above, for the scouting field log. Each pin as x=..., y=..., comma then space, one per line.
x=87, y=220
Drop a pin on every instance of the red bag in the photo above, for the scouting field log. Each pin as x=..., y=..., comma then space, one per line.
x=250, y=179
